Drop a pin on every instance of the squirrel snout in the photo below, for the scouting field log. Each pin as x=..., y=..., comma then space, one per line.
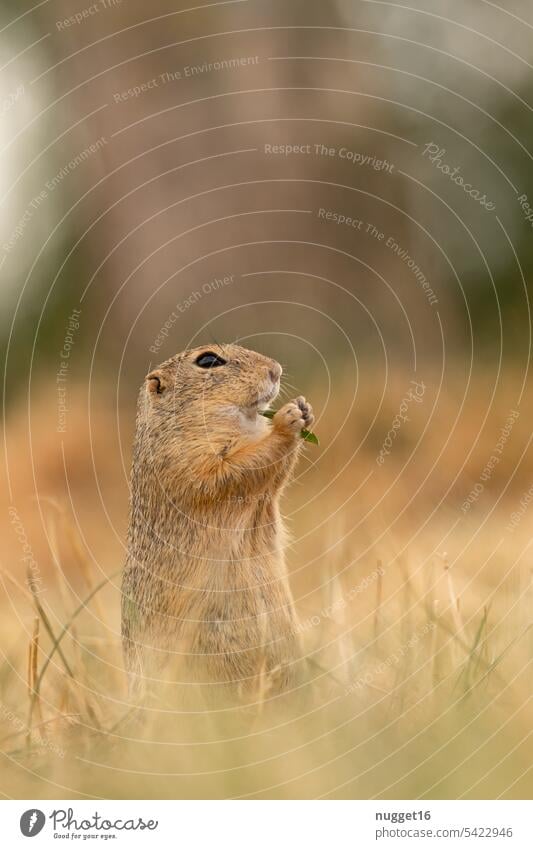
x=275, y=372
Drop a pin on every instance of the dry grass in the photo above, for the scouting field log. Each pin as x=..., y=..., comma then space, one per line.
x=416, y=682
x=413, y=688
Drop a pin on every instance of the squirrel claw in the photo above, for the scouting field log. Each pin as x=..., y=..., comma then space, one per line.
x=294, y=416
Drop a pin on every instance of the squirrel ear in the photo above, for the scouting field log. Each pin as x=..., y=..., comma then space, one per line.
x=155, y=383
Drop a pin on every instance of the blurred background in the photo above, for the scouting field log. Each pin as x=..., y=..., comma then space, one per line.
x=345, y=186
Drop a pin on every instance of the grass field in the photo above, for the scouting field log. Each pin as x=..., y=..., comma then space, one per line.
x=415, y=609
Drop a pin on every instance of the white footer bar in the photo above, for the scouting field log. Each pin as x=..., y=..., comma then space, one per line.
x=268, y=824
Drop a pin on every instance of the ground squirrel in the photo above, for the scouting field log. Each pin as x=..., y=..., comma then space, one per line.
x=205, y=576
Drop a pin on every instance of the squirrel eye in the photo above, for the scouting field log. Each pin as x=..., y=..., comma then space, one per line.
x=209, y=360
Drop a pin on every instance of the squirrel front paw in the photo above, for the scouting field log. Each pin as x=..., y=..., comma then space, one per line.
x=294, y=416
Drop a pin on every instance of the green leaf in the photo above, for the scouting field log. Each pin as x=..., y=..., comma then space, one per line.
x=307, y=435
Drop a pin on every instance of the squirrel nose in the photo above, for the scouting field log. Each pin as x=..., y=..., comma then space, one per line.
x=275, y=372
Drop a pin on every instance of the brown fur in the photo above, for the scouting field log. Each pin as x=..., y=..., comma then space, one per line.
x=205, y=576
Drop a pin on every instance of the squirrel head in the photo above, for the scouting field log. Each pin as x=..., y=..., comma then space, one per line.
x=209, y=385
